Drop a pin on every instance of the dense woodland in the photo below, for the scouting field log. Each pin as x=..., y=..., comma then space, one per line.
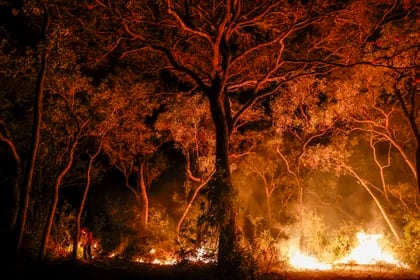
x=236, y=126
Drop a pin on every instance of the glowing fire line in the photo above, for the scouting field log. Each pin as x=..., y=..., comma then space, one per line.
x=303, y=261
x=200, y=256
x=367, y=252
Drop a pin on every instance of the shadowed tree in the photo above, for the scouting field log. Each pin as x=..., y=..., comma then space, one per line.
x=17, y=78
x=41, y=9
x=6, y=137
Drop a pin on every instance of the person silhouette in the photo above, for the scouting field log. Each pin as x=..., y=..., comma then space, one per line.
x=87, y=238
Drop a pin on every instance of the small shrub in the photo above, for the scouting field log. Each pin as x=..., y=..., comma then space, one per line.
x=265, y=251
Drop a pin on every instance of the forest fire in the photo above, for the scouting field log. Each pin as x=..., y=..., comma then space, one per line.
x=259, y=136
x=368, y=252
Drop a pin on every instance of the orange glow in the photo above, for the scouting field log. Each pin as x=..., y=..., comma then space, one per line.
x=165, y=258
x=303, y=261
x=367, y=252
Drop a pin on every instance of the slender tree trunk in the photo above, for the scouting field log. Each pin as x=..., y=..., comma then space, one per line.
x=144, y=197
x=16, y=195
x=76, y=236
x=301, y=218
x=268, y=194
x=36, y=135
x=299, y=197
x=376, y=200
x=139, y=191
x=381, y=166
x=418, y=166
x=135, y=190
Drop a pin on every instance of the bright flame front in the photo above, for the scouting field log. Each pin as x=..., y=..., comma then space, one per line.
x=302, y=261
x=367, y=252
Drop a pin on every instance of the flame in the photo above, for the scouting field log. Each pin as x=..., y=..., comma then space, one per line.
x=367, y=252
x=155, y=257
x=164, y=262
x=202, y=256
x=303, y=261
x=165, y=258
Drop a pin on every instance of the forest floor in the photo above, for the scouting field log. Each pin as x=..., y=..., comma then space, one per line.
x=106, y=270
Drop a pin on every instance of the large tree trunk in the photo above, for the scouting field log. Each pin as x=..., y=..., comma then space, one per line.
x=225, y=195
x=36, y=135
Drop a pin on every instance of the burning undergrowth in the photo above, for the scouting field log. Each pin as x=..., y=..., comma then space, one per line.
x=350, y=246
x=126, y=238
x=313, y=244
x=367, y=253
x=318, y=247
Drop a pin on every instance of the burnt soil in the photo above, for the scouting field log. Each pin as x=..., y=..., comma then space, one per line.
x=124, y=270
